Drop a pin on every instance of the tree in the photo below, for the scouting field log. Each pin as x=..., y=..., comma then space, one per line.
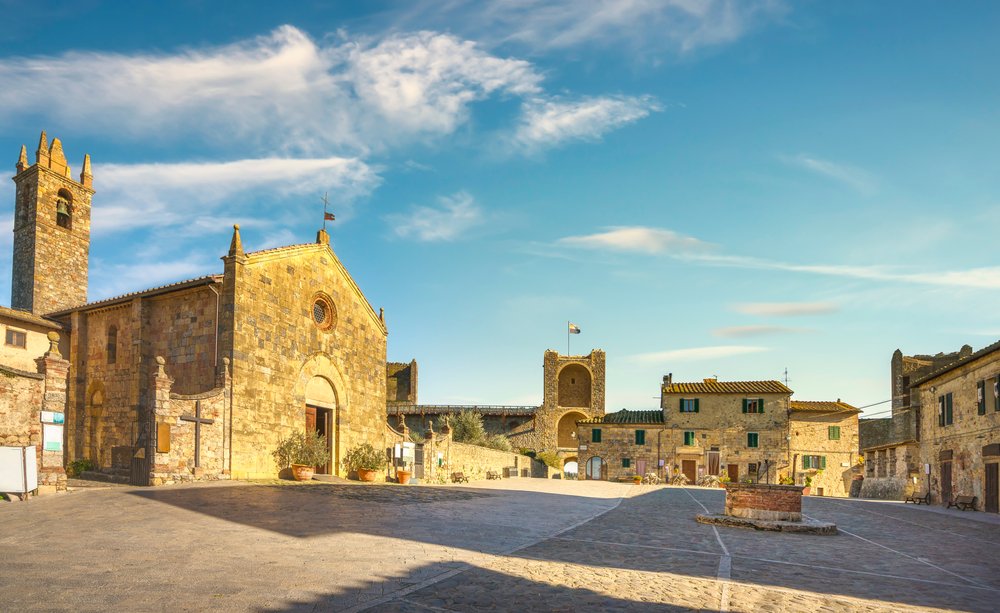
x=467, y=427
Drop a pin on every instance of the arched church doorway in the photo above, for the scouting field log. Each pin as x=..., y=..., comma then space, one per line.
x=567, y=429
x=321, y=418
x=574, y=386
x=596, y=469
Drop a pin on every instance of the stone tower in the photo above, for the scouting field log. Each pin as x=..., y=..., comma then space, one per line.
x=51, y=231
x=573, y=390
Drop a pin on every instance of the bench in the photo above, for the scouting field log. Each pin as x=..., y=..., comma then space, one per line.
x=925, y=499
x=492, y=474
x=965, y=503
x=459, y=478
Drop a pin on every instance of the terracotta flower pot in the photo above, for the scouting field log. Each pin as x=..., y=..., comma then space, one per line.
x=403, y=476
x=301, y=472
x=366, y=474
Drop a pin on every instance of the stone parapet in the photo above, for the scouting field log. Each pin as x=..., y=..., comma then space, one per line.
x=762, y=501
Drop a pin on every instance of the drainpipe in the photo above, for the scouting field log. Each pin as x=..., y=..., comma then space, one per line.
x=218, y=299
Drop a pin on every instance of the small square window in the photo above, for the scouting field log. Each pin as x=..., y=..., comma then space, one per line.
x=689, y=438
x=595, y=435
x=752, y=439
x=689, y=405
x=640, y=437
x=16, y=338
x=626, y=462
x=833, y=433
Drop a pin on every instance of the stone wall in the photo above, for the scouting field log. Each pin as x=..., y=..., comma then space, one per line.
x=542, y=432
x=277, y=348
x=474, y=461
x=767, y=502
x=963, y=440
x=180, y=455
x=809, y=431
x=618, y=443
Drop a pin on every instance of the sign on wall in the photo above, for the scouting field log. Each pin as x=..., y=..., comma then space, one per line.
x=52, y=437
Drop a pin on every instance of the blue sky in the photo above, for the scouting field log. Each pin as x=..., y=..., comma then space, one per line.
x=706, y=188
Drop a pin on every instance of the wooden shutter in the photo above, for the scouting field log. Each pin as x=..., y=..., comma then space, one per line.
x=996, y=396
x=949, y=413
x=805, y=461
x=941, y=410
x=822, y=462
x=695, y=405
x=744, y=405
x=682, y=405
x=981, y=400
x=760, y=405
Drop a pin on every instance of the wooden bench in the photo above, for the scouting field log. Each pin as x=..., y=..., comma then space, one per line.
x=964, y=503
x=459, y=478
x=925, y=499
x=492, y=474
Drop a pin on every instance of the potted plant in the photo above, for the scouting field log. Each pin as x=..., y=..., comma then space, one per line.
x=637, y=479
x=723, y=480
x=364, y=460
x=808, y=483
x=403, y=474
x=302, y=452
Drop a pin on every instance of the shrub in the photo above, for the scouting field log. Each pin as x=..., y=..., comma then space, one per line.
x=498, y=442
x=364, y=457
x=308, y=449
x=74, y=468
x=467, y=427
x=551, y=459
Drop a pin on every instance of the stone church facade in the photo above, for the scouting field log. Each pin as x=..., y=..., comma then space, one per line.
x=198, y=379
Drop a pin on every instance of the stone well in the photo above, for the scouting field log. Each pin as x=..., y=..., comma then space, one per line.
x=766, y=507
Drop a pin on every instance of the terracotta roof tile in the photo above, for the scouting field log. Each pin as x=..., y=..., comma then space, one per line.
x=27, y=317
x=161, y=289
x=822, y=406
x=940, y=371
x=711, y=386
x=626, y=416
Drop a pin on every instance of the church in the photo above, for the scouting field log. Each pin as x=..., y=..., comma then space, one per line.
x=198, y=379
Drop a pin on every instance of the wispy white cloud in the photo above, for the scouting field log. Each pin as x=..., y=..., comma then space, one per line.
x=759, y=330
x=659, y=241
x=455, y=215
x=696, y=354
x=786, y=309
x=638, y=239
x=679, y=26
x=860, y=180
x=202, y=194
x=547, y=123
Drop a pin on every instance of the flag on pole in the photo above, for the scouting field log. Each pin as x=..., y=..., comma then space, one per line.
x=574, y=329
x=327, y=216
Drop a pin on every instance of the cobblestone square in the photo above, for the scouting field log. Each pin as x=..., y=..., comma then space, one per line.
x=512, y=545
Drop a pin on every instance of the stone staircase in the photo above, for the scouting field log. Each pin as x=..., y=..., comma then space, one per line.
x=114, y=475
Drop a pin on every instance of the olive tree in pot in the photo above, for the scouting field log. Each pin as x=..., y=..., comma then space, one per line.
x=365, y=460
x=302, y=452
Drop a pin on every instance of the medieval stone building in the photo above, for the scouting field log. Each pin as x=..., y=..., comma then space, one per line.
x=200, y=378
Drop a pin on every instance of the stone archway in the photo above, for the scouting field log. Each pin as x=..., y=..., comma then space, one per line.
x=321, y=416
x=571, y=466
x=574, y=386
x=321, y=385
x=566, y=430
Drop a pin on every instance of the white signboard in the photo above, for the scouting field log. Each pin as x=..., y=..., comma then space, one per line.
x=52, y=437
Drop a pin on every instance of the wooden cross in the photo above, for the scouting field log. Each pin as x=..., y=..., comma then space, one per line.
x=198, y=421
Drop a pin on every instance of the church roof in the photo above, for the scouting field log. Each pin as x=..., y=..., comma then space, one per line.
x=713, y=386
x=626, y=416
x=822, y=406
x=153, y=291
x=31, y=318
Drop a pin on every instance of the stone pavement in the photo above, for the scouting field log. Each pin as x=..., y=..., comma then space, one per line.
x=512, y=545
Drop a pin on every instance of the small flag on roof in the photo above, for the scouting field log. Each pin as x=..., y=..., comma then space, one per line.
x=574, y=329
x=328, y=216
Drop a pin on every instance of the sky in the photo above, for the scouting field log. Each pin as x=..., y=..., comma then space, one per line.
x=719, y=188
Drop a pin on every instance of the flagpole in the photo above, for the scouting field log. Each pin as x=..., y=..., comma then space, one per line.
x=567, y=337
x=326, y=199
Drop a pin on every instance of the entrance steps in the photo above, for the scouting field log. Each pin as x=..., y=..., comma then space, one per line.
x=115, y=476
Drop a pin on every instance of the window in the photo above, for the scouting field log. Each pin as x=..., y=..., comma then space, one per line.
x=981, y=397
x=689, y=405
x=833, y=433
x=945, y=412
x=640, y=437
x=814, y=461
x=892, y=461
x=752, y=439
x=324, y=314
x=996, y=393
x=626, y=462
x=753, y=405
x=112, y=345
x=752, y=469
x=595, y=435
x=689, y=438
x=870, y=464
x=16, y=338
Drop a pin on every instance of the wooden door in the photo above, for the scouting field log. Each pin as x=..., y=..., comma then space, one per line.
x=310, y=419
x=690, y=469
x=992, y=490
x=640, y=467
x=733, y=470
x=946, y=482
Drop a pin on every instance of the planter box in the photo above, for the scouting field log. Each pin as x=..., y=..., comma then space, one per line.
x=762, y=501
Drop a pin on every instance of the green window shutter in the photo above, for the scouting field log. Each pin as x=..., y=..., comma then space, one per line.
x=640, y=437
x=822, y=462
x=949, y=415
x=996, y=394
x=682, y=405
x=940, y=410
x=744, y=405
x=760, y=405
x=595, y=435
x=695, y=405
x=626, y=462
x=981, y=399
x=805, y=461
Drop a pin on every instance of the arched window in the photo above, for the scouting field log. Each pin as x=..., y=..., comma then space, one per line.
x=112, y=344
x=64, y=209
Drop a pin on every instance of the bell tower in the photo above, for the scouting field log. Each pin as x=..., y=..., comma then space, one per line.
x=51, y=231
